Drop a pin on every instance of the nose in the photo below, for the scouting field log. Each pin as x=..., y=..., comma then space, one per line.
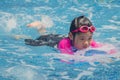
x=86, y=43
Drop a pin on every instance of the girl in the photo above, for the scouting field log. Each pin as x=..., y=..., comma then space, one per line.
x=79, y=37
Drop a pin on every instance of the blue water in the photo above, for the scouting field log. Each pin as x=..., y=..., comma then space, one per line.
x=23, y=62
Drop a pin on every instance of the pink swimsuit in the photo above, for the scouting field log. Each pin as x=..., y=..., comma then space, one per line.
x=65, y=46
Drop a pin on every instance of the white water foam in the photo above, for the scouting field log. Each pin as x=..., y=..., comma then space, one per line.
x=23, y=73
x=11, y=24
x=80, y=56
x=47, y=21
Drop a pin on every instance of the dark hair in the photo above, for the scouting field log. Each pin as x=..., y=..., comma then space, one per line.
x=78, y=22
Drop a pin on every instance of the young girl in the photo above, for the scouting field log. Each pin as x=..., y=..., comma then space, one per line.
x=79, y=37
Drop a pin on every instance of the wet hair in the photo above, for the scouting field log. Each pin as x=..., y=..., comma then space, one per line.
x=78, y=22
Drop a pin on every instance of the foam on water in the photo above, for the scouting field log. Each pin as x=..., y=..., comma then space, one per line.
x=96, y=57
x=11, y=24
x=94, y=61
x=22, y=73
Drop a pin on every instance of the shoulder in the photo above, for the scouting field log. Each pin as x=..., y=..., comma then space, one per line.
x=65, y=46
x=65, y=42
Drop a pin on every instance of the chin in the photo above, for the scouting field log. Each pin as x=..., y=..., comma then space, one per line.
x=84, y=48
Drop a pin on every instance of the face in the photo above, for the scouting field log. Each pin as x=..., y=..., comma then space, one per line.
x=82, y=40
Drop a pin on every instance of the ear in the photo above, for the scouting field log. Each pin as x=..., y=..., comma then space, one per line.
x=70, y=35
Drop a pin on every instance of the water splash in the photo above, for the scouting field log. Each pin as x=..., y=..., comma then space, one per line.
x=98, y=55
x=22, y=73
x=11, y=24
x=47, y=21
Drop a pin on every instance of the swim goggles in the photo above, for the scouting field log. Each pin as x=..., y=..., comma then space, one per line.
x=85, y=29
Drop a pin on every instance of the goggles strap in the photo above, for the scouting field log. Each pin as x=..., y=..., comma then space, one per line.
x=75, y=22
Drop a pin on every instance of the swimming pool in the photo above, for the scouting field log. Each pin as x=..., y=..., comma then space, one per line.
x=23, y=62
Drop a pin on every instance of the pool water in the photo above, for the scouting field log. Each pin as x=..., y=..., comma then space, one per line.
x=23, y=62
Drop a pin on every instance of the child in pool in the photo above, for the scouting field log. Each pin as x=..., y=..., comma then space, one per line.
x=79, y=37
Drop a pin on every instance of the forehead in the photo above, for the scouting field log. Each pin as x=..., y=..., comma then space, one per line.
x=87, y=34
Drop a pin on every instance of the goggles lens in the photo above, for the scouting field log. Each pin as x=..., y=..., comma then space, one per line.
x=85, y=29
